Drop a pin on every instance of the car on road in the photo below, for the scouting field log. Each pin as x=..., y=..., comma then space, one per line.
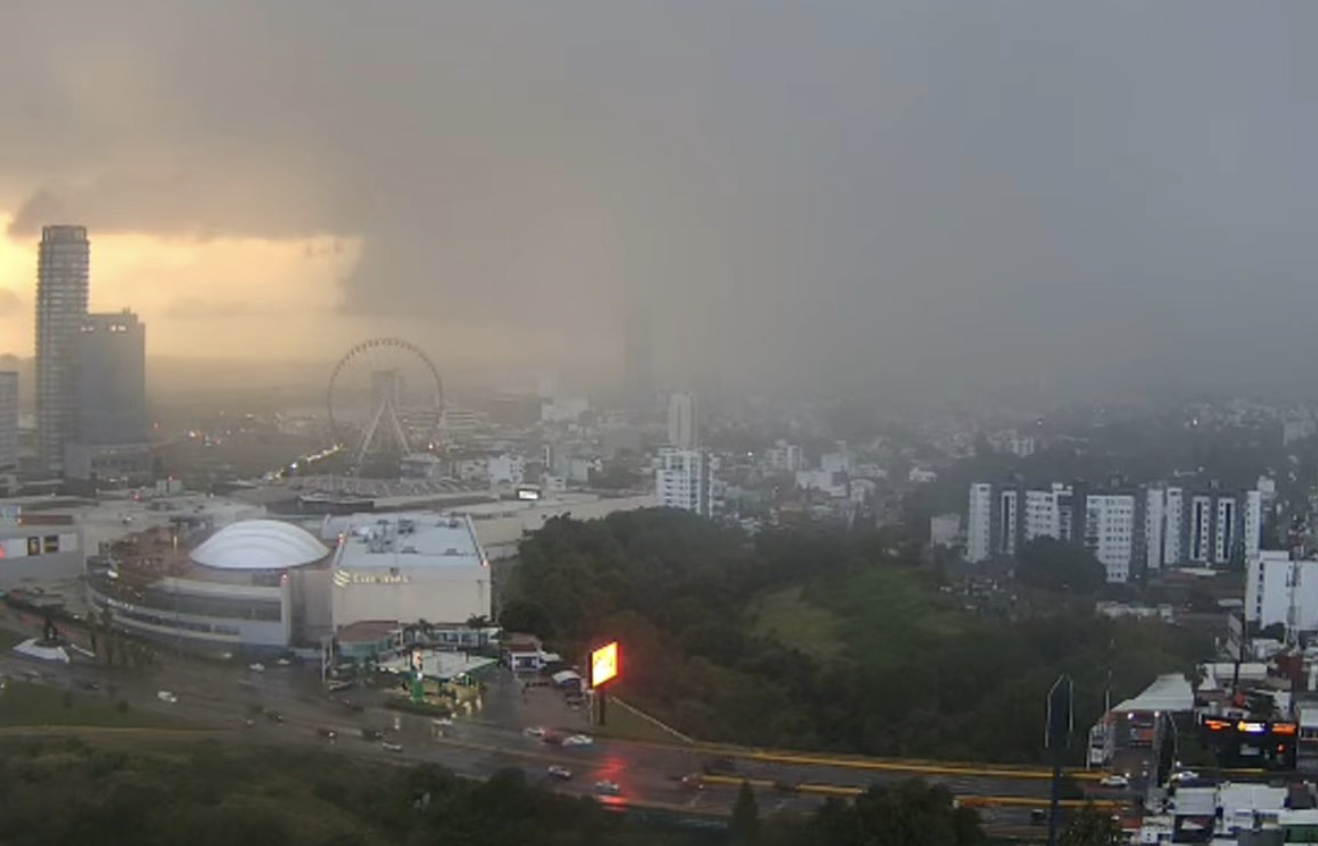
x=692, y=782
x=559, y=772
x=578, y=740
x=166, y=696
x=90, y=685
x=284, y=662
x=1184, y=775
x=391, y=747
x=534, y=731
x=338, y=686
x=248, y=722
x=372, y=734
x=443, y=721
x=274, y=716
x=256, y=668
x=721, y=766
x=607, y=788
x=329, y=734
x=1115, y=780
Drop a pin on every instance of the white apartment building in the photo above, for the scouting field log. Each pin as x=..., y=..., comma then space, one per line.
x=682, y=421
x=1273, y=582
x=783, y=457
x=506, y=469
x=683, y=480
x=1110, y=533
x=979, y=523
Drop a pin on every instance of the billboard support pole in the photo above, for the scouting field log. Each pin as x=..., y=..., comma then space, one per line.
x=1057, y=739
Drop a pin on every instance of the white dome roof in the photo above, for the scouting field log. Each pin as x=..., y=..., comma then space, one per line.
x=259, y=545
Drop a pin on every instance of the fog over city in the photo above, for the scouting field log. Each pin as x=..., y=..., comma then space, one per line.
x=1065, y=195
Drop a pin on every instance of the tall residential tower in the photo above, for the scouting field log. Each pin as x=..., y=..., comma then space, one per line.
x=62, y=281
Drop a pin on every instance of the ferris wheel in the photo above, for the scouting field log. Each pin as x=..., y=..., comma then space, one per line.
x=385, y=400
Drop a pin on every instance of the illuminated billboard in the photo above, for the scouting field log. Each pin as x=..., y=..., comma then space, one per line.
x=604, y=664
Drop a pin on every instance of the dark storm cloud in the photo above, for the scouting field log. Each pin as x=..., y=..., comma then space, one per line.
x=934, y=190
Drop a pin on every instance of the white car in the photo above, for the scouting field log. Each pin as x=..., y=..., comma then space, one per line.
x=558, y=771
x=1184, y=775
x=391, y=747
x=256, y=668
x=443, y=721
x=1115, y=780
x=578, y=740
x=166, y=696
x=534, y=731
x=607, y=788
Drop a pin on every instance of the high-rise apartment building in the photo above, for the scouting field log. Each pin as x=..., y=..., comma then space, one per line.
x=63, y=263
x=683, y=479
x=1128, y=530
x=682, y=421
x=8, y=431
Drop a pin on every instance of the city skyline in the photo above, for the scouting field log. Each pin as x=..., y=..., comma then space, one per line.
x=1075, y=197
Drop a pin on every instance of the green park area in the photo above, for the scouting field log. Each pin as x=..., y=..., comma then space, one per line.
x=24, y=704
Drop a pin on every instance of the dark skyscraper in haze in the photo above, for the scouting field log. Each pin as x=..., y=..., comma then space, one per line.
x=639, y=373
x=63, y=265
x=112, y=380
x=111, y=448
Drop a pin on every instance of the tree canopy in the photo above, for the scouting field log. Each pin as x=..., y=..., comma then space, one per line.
x=819, y=638
x=1050, y=564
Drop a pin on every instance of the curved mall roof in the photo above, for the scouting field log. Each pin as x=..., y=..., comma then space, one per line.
x=259, y=545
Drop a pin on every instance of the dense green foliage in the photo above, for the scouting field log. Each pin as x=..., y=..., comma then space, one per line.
x=1091, y=827
x=813, y=638
x=1053, y=565
x=64, y=791
x=909, y=813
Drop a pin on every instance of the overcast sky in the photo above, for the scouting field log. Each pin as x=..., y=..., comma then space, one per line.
x=836, y=192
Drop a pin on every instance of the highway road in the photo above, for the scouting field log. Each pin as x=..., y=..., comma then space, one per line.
x=219, y=696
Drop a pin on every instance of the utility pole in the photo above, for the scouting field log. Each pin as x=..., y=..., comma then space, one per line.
x=1057, y=739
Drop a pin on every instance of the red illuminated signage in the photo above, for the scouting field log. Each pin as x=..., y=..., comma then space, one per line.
x=604, y=664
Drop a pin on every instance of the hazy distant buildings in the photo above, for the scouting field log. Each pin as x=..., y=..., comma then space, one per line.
x=682, y=422
x=62, y=281
x=8, y=431
x=683, y=479
x=1129, y=530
